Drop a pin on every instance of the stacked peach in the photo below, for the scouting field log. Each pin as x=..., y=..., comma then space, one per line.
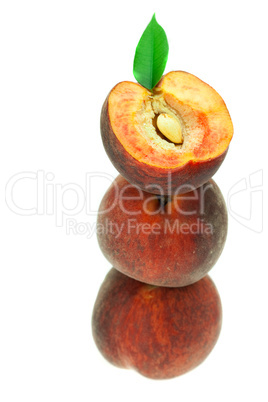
x=162, y=225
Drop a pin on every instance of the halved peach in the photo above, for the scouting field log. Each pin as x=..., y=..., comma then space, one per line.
x=167, y=140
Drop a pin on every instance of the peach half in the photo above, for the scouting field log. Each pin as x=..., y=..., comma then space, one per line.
x=176, y=136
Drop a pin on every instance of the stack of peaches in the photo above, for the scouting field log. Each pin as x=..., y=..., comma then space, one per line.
x=162, y=225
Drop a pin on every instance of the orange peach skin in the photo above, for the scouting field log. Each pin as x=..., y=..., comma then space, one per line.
x=159, y=332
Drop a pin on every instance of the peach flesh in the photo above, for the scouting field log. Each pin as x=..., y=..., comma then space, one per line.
x=144, y=158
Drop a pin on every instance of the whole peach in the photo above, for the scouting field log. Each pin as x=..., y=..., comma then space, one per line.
x=164, y=241
x=160, y=332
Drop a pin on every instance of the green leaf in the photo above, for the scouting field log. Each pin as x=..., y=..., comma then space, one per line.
x=151, y=55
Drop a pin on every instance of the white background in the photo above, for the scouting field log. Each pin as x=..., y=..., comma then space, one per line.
x=59, y=59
